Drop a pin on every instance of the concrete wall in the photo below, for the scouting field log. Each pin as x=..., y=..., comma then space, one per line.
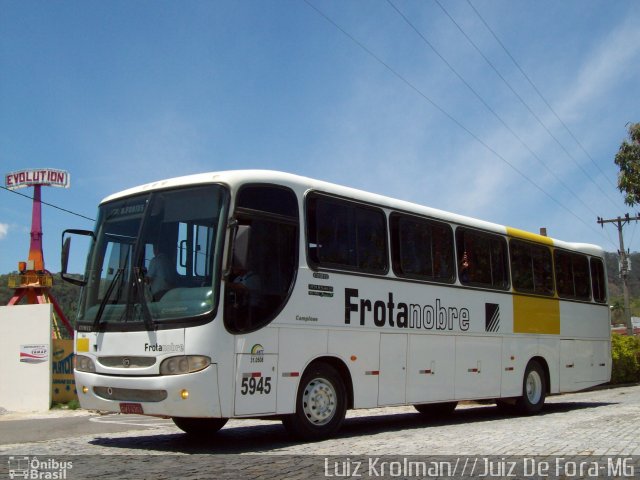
x=25, y=358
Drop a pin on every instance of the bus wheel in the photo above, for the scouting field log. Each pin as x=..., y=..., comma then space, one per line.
x=199, y=426
x=320, y=404
x=436, y=410
x=534, y=389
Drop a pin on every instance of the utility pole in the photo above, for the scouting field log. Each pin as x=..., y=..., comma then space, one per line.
x=624, y=264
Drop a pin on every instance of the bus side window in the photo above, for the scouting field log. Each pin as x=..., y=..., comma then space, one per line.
x=572, y=275
x=347, y=235
x=581, y=277
x=482, y=259
x=421, y=249
x=531, y=268
x=564, y=275
x=256, y=291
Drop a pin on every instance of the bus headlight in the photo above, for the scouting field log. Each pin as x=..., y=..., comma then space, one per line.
x=84, y=364
x=184, y=364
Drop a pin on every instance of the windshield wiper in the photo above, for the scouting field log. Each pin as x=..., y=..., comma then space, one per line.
x=105, y=300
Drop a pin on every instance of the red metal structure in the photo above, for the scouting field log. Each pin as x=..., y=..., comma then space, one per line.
x=33, y=282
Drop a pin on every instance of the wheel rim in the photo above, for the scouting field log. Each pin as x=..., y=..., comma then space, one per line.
x=319, y=401
x=533, y=387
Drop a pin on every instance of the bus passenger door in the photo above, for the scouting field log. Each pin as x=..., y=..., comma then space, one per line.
x=393, y=369
x=256, y=382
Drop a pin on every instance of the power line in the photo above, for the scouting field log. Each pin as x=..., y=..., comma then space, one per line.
x=524, y=103
x=444, y=112
x=493, y=112
x=542, y=97
x=50, y=204
x=633, y=233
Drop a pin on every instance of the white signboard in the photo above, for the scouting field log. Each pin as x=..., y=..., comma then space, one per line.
x=37, y=176
x=34, y=353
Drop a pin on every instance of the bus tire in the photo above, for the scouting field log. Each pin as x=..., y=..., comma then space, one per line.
x=321, y=404
x=534, y=390
x=436, y=410
x=199, y=426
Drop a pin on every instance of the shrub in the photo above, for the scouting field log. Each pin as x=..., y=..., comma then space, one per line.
x=70, y=405
x=625, y=353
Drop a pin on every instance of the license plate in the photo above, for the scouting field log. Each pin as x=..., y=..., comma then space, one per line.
x=134, y=408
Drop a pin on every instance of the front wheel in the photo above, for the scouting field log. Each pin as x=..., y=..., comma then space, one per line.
x=320, y=404
x=199, y=427
x=534, y=389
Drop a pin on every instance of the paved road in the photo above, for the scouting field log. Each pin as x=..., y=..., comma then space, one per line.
x=599, y=424
x=26, y=430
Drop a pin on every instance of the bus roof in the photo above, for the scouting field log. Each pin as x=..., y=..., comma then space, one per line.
x=235, y=178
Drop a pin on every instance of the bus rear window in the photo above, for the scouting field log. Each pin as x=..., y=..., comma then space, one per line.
x=598, y=281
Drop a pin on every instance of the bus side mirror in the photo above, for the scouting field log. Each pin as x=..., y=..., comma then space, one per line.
x=65, y=252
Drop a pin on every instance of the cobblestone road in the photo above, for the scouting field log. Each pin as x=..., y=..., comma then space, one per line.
x=598, y=423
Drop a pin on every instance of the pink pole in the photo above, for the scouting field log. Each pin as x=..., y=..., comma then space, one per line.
x=35, y=250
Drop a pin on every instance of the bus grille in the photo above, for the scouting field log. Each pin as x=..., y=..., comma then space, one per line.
x=130, y=394
x=127, y=362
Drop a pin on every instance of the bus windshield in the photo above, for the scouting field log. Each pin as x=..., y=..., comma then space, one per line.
x=156, y=260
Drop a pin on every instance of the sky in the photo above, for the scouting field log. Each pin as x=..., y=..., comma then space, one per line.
x=510, y=111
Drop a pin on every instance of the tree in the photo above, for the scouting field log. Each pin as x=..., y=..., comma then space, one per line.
x=617, y=312
x=628, y=160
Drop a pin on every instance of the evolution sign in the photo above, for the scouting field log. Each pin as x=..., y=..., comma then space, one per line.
x=37, y=176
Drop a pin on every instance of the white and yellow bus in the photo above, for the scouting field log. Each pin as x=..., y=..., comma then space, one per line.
x=258, y=293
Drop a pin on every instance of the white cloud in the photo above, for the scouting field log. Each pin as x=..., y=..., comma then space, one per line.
x=4, y=230
x=613, y=61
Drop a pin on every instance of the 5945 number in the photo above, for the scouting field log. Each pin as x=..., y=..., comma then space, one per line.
x=253, y=386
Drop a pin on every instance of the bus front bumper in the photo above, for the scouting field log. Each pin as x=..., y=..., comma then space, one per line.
x=188, y=395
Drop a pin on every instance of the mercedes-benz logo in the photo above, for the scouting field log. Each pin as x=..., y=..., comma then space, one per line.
x=126, y=362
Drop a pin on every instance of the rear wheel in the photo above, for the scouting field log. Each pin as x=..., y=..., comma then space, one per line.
x=534, y=389
x=199, y=426
x=437, y=410
x=320, y=404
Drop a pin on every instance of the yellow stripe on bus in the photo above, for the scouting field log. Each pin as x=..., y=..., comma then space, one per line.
x=532, y=237
x=536, y=315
